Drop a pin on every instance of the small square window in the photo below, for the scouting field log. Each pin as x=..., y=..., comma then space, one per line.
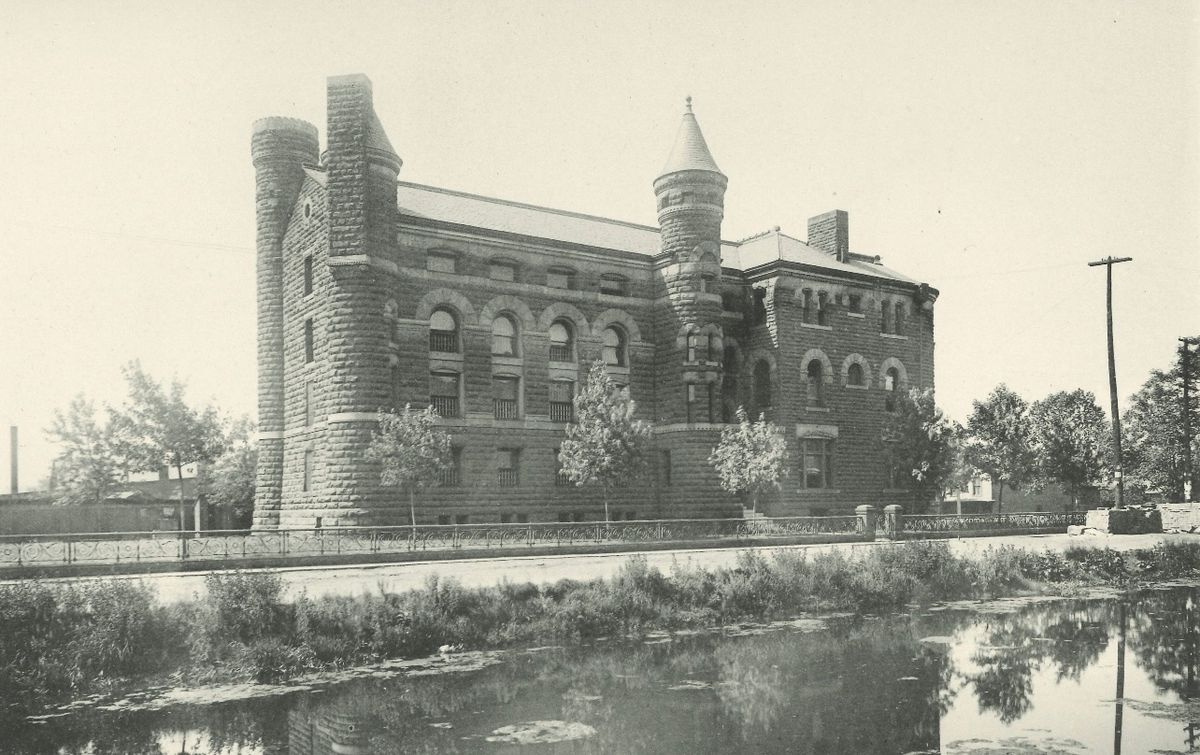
x=856, y=303
x=440, y=263
x=502, y=271
x=560, y=279
x=613, y=285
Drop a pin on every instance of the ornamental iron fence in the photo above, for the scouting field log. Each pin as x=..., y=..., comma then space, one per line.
x=241, y=545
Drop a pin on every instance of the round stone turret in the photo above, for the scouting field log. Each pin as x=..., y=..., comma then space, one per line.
x=279, y=148
x=691, y=204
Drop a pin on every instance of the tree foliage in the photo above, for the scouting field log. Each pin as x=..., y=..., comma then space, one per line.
x=89, y=465
x=997, y=439
x=412, y=450
x=605, y=444
x=923, y=445
x=229, y=483
x=750, y=457
x=1153, y=432
x=1071, y=435
x=158, y=426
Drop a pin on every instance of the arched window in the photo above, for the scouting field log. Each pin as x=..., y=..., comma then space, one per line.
x=891, y=384
x=693, y=346
x=504, y=336
x=443, y=332
x=815, y=387
x=762, y=385
x=614, y=347
x=854, y=375
x=562, y=344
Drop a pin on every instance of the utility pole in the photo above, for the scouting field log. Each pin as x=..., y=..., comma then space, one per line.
x=1108, y=262
x=1186, y=358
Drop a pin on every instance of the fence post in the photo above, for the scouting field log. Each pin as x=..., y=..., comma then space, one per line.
x=867, y=520
x=893, y=521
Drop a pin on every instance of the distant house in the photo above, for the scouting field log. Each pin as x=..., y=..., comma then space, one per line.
x=978, y=496
x=135, y=506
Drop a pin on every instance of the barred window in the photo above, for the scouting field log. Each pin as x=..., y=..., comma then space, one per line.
x=436, y=262
x=614, y=285
x=506, y=396
x=508, y=461
x=443, y=332
x=451, y=475
x=562, y=346
x=562, y=395
x=444, y=392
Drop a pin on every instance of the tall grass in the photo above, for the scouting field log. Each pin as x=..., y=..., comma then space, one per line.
x=60, y=639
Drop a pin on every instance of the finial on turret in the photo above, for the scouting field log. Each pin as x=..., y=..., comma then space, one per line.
x=689, y=103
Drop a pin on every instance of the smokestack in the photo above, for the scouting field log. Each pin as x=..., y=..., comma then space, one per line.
x=12, y=440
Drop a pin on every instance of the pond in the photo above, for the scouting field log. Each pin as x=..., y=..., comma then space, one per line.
x=1020, y=676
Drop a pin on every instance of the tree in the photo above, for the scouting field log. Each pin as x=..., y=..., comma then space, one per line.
x=604, y=444
x=89, y=465
x=750, y=457
x=158, y=427
x=1153, y=432
x=997, y=440
x=229, y=484
x=923, y=445
x=1070, y=436
x=411, y=449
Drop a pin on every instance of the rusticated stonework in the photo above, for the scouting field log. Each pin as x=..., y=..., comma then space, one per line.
x=357, y=272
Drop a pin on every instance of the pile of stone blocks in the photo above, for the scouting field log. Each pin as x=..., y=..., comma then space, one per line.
x=1134, y=520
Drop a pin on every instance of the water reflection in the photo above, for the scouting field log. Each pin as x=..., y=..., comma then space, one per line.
x=868, y=686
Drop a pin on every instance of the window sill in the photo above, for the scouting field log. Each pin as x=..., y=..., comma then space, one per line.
x=499, y=360
x=815, y=326
x=859, y=315
x=706, y=363
x=894, y=336
x=818, y=491
x=857, y=387
x=555, y=365
x=818, y=409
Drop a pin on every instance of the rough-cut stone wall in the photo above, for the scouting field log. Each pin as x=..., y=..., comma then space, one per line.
x=280, y=147
x=370, y=307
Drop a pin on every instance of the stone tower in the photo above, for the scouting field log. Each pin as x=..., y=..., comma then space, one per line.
x=362, y=169
x=690, y=193
x=280, y=148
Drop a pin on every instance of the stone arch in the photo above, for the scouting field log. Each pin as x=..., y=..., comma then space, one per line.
x=826, y=366
x=889, y=363
x=512, y=304
x=444, y=297
x=861, y=361
x=616, y=317
x=562, y=310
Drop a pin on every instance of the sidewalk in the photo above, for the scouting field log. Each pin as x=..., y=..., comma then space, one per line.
x=545, y=569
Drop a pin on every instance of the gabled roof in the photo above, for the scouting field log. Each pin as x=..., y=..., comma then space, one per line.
x=690, y=151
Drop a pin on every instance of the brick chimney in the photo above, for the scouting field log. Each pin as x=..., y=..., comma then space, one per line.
x=830, y=232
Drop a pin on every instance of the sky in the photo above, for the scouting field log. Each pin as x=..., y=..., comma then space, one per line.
x=991, y=149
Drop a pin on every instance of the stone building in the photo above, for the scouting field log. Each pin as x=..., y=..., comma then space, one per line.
x=374, y=292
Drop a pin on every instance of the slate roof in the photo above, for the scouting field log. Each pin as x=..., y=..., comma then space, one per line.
x=488, y=213
x=690, y=151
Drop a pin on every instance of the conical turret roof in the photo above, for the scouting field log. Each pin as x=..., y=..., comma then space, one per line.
x=690, y=151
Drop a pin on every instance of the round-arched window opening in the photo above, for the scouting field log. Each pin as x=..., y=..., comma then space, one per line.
x=443, y=332
x=614, y=347
x=504, y=337
x=814, y=387
x=854, y=375
x=307, y=210
x=561, y=343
